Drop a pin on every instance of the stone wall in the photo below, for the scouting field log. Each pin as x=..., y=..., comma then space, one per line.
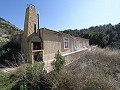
x=69, y=58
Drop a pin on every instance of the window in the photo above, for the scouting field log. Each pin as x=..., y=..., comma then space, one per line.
x=66, y=43
x=36, y=46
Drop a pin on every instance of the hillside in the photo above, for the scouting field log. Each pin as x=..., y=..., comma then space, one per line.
x=7, y=28
x=7, y=48
x=102, y=35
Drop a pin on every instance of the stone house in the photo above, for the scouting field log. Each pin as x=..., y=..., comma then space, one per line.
x=42, y=44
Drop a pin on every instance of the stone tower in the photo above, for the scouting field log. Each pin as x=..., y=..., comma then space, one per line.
x=30, y=20
x=30, y=25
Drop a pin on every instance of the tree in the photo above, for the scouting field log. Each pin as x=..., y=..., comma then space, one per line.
x=102, y=35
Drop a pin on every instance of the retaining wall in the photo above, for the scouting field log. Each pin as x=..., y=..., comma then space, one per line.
x=69, y=58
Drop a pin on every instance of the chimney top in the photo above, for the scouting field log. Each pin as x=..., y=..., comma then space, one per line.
x=30, y=5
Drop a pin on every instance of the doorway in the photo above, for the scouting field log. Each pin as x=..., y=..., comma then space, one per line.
x=38, y=56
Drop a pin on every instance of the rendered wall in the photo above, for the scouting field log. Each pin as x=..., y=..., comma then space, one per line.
x=30, y=20
x=69, y=58
x=51, y=42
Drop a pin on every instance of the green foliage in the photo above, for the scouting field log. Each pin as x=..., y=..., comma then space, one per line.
x=9, y=53
x=35, y=70
x=33, y=75
x=26, y=77
x=58, y=62
x=5, y=82
x=103, y=35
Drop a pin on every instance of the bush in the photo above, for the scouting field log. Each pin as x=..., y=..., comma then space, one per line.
x=10, y=55
x=5, y=82
x=29, y=76
x=63, y=81
x=58, y=63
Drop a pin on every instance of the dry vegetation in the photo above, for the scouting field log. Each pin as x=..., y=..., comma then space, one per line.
x=95, y=70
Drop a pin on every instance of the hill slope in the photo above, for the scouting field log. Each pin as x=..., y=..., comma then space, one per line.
x=7, y=28
x=6, y=31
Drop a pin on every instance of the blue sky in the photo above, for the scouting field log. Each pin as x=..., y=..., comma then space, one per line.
x=63, y=14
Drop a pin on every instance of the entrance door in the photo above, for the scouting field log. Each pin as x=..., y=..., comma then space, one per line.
x=38, y=56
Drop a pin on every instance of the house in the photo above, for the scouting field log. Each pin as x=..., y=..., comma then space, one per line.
x=42, y=44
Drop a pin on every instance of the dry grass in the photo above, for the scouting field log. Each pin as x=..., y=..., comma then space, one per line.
x=95, y=70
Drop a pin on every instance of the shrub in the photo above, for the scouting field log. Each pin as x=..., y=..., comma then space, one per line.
x=29, y=76
x=34, y=72
x=58, y=63
x=63, y=81
x=5, y=82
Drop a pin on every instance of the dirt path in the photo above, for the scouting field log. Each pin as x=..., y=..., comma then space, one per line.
x=7, y=70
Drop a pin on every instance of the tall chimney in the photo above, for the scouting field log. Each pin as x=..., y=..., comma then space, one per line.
x=38, y=23
x=38, y=19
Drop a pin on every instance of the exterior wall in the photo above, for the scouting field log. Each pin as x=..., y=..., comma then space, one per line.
x=30, y=20
x=51, y=44
x=86, y=43
x=70, y=57
x=81, y=43
x=54, y=41
x=76, y=44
